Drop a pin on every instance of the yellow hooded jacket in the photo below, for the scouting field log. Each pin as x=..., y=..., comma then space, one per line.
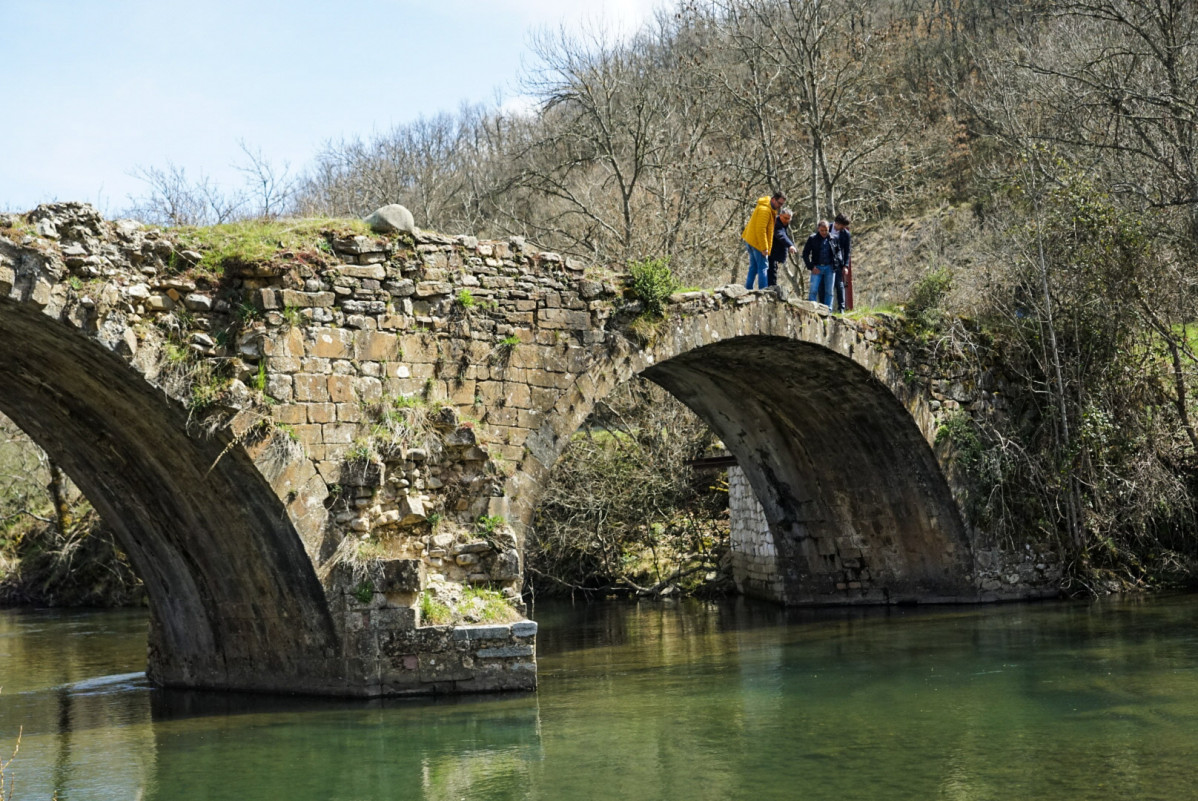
x=760, y=230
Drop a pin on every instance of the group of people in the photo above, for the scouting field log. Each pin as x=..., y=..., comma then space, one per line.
x=827, y=254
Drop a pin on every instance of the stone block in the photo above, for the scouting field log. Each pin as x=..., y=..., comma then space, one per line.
x=332, y=343
x=339, y=433
x=476, y=547
x=525, y=628
x=307, y=300
x=517, y=395
x=363, y=474
x=470, y=633
x=290, y=413
x=507, y=566
x=310, y=436
x=505, y=652
x=428, y=289
x=562, y=318
x=437, y=667
x=399, y=575
x=498, y=506
x=411, y=509
x=321, y=413
x=497, y=416
x=341, y=389
x=375, y=272
x=280, y=387
x=461, y=393
x=310, y=387
x=376, y=346
x=368, y=389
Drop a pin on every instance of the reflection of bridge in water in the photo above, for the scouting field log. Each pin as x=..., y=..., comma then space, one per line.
x=242, y=536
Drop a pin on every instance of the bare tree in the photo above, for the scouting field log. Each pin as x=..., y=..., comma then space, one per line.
x=174, y=199
x=271, y=189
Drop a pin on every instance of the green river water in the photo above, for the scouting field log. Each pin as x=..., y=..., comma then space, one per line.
x=673, y=702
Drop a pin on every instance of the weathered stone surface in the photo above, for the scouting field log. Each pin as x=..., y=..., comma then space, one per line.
x=401, y=575
x=525, y=628
x=505, y=652
x=392, y=218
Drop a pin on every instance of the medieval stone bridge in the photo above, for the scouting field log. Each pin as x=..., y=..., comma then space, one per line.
x=300, y=453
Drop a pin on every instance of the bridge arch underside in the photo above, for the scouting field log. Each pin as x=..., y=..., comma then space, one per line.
x=855, y=501
x=235, y=602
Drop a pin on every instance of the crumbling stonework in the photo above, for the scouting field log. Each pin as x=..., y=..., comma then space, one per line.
x=300, y=453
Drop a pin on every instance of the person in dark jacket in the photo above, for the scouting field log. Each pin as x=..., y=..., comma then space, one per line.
x=819, y=256
x=783, y=245
x=842, y=242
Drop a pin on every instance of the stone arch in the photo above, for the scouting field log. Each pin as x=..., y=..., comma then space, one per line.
x=835, y=445
x=235, y=601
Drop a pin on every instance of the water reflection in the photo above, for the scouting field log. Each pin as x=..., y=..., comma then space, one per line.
x=225, y=747
x=680, y=701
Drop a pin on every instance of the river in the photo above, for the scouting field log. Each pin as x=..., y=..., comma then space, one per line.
x=682, y=701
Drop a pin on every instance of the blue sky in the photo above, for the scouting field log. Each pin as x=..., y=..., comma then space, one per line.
x=97, y=88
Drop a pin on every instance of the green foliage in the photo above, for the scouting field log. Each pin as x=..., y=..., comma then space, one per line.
x=248, y=313
x=652, y=283
x=466, y=299
x=489, y=524
x=433, y=612
x=293, y=317
x=364, y=592
x=402, y=421
x=252, y=242
x=176, y=354
x=622, y=510
x=484, y=605
x=260, y=377
x=361, y=451
x=205, y=391
x=959, y=429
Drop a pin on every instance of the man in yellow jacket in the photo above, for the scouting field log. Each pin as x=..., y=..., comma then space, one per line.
x=759, y=238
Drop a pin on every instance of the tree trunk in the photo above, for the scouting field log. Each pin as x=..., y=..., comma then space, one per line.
x=58, y=493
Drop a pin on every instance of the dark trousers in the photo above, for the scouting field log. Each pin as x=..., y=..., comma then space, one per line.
x=838, y=290
x=772, y=271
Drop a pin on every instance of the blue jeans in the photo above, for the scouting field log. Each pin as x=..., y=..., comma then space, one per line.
x=758, y=268
x=822, y=279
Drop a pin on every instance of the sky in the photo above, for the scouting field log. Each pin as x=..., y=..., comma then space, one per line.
x=98, y=89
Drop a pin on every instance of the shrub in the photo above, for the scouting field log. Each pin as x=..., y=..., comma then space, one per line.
x=653, y=283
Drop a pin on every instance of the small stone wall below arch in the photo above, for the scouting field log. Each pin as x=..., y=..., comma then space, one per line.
x=754, y=557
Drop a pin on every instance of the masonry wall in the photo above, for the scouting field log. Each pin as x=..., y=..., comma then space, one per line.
x=754, y=556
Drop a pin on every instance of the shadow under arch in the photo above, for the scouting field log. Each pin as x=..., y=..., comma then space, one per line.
x=857, y=506
x=856, y=503
x=235, y=602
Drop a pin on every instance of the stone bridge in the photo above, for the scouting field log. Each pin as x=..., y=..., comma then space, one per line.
x=305, y=455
